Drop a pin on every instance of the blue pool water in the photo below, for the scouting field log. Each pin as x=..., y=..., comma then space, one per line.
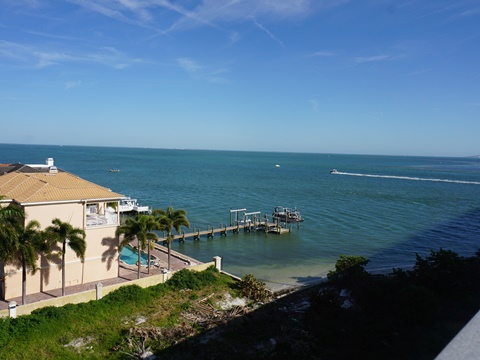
x=130, y=256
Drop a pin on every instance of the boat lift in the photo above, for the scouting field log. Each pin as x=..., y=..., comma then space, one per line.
x=248, y=218
x=236, y=212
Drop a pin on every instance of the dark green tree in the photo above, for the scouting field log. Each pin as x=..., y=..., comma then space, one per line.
x=171, y=219
x=30, y=244
x=66, y=234
x=11, y=216
x=138, y=229
x=349, y=269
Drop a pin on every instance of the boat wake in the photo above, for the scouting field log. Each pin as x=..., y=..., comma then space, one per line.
x=408, y=178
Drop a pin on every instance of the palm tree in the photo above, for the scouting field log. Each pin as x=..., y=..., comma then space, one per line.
x=29, y=245
x=66, y=234
x=10, y=218
x=138, y=228
x=171, y=219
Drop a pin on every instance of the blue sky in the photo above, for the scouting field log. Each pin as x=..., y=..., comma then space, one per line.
x=334, y=76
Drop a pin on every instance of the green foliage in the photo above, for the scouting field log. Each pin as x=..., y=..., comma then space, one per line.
x=187, y=279
x=254, y=289
x=445, y=272
x=128, y=294
x=50, y=312
x=349, y=270
x=407, y=314
x=106, y=322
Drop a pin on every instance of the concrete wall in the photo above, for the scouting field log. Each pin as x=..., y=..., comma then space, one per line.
x=92, y=294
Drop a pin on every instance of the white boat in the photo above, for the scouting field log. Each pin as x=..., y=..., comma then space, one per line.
x=333, y=171
x=127, y=204
x=286, y=215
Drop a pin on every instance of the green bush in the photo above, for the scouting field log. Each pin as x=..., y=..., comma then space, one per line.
x=187, y=279
x=253, y=289
x=126, y=295
x=349, y=270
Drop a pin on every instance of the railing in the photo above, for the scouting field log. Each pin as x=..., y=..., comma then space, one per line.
x=99, y=220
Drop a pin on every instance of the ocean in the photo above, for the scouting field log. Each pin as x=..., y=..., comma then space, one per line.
x=386, y=208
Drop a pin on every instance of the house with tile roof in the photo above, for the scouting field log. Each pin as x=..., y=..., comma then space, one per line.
x=46, y=192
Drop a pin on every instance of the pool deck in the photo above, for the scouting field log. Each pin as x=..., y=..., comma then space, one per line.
x=126, y=273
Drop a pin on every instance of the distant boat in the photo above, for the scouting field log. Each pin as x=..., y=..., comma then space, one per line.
x=114, y=170
x=277, y=165
x=286, y=215
x=333, y=171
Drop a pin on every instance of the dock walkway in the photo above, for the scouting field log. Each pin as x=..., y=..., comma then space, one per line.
x=267, y=227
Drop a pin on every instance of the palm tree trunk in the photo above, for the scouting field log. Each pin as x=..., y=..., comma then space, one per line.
x=169, y=250
x=24, y=283
x=148, y=255
x=63, y=266
x=139, y=259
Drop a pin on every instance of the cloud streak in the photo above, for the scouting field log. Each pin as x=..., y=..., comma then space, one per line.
x=261, y=27
x=36, y=57
x=197, y=71
x=212, y=13
x=375, y=58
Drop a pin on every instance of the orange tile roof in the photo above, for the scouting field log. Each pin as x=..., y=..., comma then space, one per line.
x=48, y=187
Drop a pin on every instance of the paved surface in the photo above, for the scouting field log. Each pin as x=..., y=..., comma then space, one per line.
x=125, y=274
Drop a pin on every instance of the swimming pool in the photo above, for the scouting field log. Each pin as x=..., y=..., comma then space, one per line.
x=130, y=256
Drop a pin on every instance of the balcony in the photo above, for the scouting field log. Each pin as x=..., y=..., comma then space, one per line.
x=94, y=219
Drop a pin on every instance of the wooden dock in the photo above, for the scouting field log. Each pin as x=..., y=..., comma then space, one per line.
x=266, y=227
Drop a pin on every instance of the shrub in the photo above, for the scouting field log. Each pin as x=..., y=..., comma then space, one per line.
x=254, y=289
x=187, y=279
x=349, y=270
x=184, y=279
x=50, y=312
x=127, y=295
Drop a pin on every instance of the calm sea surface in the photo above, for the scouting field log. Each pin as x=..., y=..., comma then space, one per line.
x=385, y=208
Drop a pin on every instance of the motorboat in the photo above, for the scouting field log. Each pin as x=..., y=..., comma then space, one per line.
x=333, y=171
x=286, y=215
x=114, y=170
x=127, y=205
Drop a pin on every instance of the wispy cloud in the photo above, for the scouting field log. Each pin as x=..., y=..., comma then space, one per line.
x=211, y=13
x=374, y=58
x=323, y=54
x=189, y=65
x=33, y=56
x=261, y=27
x=470, y=12
x=197, y=71
x=52, y=36
x=72, y=84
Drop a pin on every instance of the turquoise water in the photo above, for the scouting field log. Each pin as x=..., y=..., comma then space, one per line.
x=130, y=256
x=386, y=208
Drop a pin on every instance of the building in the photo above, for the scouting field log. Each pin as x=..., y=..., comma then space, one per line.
x=46, y=192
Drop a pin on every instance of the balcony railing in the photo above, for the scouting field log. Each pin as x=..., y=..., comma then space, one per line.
x=102, y=220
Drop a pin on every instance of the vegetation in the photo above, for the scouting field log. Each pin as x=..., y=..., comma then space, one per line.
x=66, y=234
x=403, y=315
x=171, y=219
x=140, y=229
x=30, y=245
x=253, y=289
x=10, y=217
x=119, y=325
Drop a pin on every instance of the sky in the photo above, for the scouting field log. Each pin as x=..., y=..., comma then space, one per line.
x=396, y=77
